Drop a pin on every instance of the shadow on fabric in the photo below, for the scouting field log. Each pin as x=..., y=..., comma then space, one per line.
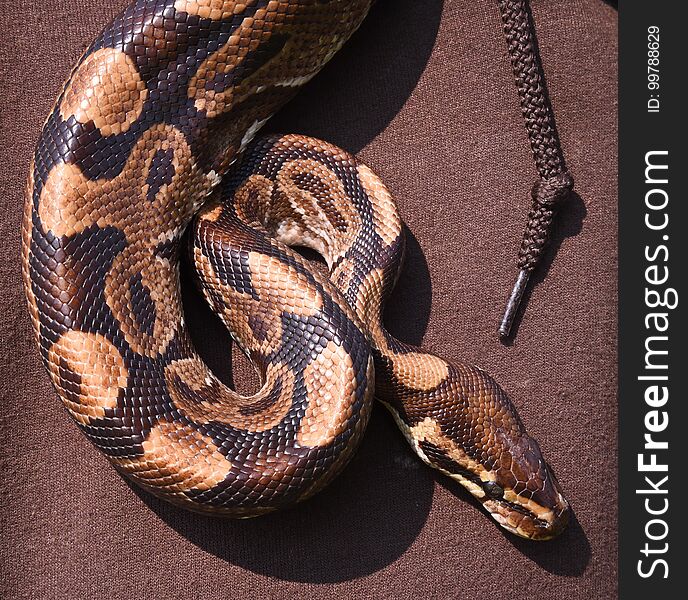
x=351, y=101
x=567, y=555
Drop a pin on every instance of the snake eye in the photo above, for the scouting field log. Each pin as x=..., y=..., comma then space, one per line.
x=493, y=490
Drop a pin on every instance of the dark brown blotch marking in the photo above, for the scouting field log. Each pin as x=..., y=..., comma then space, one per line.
x=252, y=63
x=160, y=173
x=258, y=326
x=313, y=184
x=142, y=304
x=70, y=382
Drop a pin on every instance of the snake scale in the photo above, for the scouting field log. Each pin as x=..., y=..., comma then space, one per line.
x=152, y=136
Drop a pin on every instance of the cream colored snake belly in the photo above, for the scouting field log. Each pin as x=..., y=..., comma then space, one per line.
x=152, y=134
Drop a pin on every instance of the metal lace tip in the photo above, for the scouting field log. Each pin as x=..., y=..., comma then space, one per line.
x=513, y=303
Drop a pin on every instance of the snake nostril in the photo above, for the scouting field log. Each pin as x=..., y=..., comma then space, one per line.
x=494, y=490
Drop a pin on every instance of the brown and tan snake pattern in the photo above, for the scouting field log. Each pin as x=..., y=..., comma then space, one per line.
x=153, y=133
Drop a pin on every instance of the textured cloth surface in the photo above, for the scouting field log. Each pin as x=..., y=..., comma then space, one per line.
x=425, y=95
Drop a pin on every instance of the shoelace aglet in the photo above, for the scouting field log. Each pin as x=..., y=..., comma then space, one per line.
x=513, y=303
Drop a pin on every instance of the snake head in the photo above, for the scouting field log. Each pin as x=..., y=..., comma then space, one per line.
x=521, y=492
x=468, y=429
x=499, y=463
x=513, y=483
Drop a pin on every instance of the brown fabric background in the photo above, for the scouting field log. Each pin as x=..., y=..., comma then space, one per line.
x=424, y=94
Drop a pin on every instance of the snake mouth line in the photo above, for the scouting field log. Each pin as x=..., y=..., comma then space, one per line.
x=515, y=506
x=537, y=528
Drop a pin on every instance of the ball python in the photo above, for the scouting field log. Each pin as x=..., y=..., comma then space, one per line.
x=153, y=135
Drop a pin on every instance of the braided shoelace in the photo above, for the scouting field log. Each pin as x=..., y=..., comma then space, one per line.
x=555, y=182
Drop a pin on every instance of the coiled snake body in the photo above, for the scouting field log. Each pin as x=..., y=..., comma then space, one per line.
x=160, y=109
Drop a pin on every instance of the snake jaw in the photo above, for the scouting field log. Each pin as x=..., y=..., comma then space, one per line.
x=527, y=519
